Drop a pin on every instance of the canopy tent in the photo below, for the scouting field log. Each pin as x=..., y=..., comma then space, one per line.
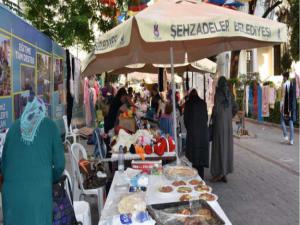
x=178, y=31
x=151, y=78
x=201, y=66
x=201, y=30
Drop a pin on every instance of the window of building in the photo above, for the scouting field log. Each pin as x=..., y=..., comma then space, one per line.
x=277, y=60
x=249, y=62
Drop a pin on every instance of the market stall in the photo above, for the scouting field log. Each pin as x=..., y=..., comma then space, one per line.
x=158, y=35
x=159, y=192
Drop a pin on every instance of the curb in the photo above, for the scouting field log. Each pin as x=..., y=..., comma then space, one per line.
x=267, y=124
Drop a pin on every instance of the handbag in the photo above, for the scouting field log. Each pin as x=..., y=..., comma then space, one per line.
x=89, y=171
x=63, y=211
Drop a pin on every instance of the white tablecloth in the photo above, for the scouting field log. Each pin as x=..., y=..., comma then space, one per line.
x=128, y=156
x=152, y=197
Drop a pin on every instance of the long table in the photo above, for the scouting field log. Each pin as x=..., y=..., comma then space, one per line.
x=114, y=196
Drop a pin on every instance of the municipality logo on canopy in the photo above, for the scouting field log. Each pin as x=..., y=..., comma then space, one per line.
x=156, y=31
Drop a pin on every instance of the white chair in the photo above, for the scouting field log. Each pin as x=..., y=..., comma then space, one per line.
x=81, y=208
x=70, y=132
x=77, y=150
x=2, y=140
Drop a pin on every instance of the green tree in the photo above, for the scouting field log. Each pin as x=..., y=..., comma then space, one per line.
x=71, y=22
x=294, y=23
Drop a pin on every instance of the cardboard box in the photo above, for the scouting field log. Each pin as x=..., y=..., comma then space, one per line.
x=153, y=167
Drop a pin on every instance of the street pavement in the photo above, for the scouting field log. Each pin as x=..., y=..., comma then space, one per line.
x=264, y=188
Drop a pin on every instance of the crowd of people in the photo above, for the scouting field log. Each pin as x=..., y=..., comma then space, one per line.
x=42, y=154
x=193, y=119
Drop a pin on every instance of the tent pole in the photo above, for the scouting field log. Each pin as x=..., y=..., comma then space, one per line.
x=192, y=80
x=174, y=104
x=204, y=86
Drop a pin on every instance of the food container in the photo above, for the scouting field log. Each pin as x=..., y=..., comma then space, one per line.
x=198, y=212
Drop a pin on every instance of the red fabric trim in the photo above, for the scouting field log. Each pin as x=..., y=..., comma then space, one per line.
x=137, y=8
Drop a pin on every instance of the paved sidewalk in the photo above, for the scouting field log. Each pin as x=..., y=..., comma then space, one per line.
x=264, y=188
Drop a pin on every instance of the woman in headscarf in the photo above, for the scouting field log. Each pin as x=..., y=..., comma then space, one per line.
x=33, y=159
x=195, y=120
x=224, y=110
x=117, y=102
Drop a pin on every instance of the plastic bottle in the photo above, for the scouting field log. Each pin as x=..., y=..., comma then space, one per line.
x=101, y=126
x=121, y=159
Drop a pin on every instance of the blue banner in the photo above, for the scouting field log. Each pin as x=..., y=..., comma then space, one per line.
x=5, y=112
x=28, y=61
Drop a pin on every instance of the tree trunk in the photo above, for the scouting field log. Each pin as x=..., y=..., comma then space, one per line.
x=234, y=63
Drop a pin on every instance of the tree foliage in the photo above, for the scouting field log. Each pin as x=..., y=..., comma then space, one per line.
x=71, y=22
x=289, y=14
x=294, y=24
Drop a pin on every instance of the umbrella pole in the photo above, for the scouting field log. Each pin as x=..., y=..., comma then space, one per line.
x=174, y=104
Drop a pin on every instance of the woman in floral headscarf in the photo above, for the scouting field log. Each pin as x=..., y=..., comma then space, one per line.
x=33, y=158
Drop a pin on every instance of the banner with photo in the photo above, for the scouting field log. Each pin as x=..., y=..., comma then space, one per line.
x=44, y=79
x=30, y=62
x=5, y=65
x=5, y=112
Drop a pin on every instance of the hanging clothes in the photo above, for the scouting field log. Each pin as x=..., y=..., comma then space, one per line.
x=250, y=100
x=77, y=82
x=259, y=103
x=272, y=97
x=92, y=104
x=265, y=101
x=247, y=100
x=69, y=96
x=97, y=89
x=255, y=98
x=209, y=94
x=72, y=77
x=86, y=101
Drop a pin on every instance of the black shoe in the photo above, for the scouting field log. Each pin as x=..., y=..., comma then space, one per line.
x=224, y=179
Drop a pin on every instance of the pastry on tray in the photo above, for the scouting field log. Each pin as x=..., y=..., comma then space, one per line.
x=204, y=213
x=196, y=182
x=178, y=183
x=185, y=212
x=165, y=189
x=184, y=189
x=202, y=188
x=208, y=197
x=185, y=198
x=181, y=171
x=194, y=221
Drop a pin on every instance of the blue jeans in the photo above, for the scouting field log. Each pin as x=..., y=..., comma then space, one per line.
x=283, y=126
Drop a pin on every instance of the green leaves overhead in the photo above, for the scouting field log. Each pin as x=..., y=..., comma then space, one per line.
x=71, y=22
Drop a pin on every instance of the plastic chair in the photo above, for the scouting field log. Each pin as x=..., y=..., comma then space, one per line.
x=69, y=131
x=2, y=140
x=77, y=150
x=81, y=208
